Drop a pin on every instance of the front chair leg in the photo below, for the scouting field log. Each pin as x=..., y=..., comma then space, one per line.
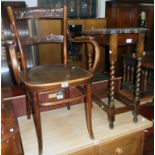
x=89, y=110
x=37, y=121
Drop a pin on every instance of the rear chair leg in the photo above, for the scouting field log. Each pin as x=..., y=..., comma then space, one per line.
x=67, y=95
x=28, y=105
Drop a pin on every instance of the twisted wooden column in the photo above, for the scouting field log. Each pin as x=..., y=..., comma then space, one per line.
x=113, y=58
x=137, y=89
x=90, y=53
x=139, y=55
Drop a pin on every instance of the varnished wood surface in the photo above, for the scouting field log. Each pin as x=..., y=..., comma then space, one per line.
x=50, y=77
x=115, y=30
x=104, y=39
x=64, y=137
x=128, y=145
x=125, y=14
x=45, y=75
x=17, y=95
x=10, y=134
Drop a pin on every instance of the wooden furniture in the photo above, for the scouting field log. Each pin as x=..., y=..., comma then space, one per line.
x=127, y=137
x=114, y=38
x=60, y=77
x=17, y=96
x=10, y=134
x=124, y=14
x=8, y=78
x=147, y=76
x=127, y=13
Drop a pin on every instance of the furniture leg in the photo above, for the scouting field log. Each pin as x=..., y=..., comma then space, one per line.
x=139, y=55
x=37, y=121
x=113, y=59
x=89, y=110
x=137, y=92
x=111, y=111
x=28, y=105
x=67, y=95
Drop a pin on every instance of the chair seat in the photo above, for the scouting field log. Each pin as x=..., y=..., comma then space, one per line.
x=54, y=75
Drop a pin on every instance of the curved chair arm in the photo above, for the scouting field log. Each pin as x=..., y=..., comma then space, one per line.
x=91, y=40
x=14, y=61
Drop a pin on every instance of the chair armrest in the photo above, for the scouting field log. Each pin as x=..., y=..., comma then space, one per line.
x=91, y=40
x=14, y=62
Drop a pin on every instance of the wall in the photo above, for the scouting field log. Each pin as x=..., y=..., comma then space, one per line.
x=101, y=8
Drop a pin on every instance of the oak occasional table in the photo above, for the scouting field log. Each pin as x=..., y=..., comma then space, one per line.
x=113, y=38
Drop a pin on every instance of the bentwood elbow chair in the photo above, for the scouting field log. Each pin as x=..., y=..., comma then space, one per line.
x=53, y=76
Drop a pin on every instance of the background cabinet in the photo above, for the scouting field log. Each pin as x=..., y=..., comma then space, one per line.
x=122, y=15
x=76, y=8
x=126, y=14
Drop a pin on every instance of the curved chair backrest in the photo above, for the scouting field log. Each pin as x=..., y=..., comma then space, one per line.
x=38, y=13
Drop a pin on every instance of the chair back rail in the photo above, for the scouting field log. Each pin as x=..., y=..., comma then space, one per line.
x=38, y=13
x=42, y=39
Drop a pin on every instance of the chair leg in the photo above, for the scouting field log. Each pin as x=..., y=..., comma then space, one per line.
x=89, y=110
x=28, y=105
x=67, y=95
x=37, y=121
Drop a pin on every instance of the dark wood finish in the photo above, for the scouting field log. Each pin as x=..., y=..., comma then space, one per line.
x=58, y=77
x=111, y=38
x=8, y=78
x=10, y=134
x=123, y=14
x=17, y=96
x=147, y=76
x=147, y=87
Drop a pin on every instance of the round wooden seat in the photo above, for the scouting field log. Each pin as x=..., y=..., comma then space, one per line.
x=54, y=76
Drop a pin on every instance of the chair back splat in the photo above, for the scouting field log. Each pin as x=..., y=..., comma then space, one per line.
x=51, y=77
x=39, y=13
